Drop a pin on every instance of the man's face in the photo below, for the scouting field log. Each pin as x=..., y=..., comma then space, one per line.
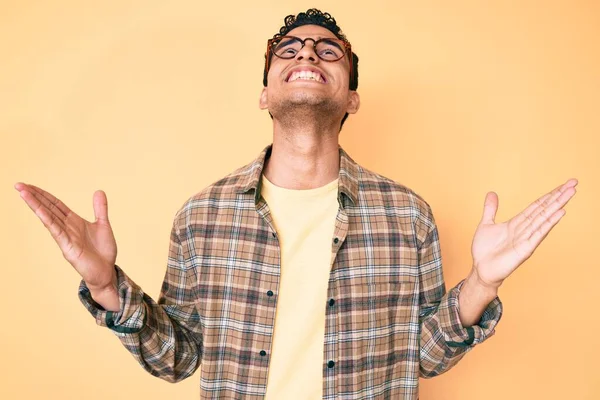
x=329, y=93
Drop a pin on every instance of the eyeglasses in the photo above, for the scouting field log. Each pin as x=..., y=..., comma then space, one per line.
x=327, y=49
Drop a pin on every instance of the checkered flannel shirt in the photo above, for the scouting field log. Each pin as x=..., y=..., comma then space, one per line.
x=389, y=318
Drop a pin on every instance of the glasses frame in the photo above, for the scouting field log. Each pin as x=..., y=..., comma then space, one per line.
x=270, y=52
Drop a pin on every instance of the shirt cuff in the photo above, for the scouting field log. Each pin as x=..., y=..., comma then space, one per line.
x=455, y=334
x=131, y=317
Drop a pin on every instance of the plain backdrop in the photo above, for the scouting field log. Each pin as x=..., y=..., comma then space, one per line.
x=151, y=101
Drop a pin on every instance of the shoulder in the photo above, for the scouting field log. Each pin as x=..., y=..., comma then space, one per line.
x=384, y=191
x=376, y=190
x=222, y=194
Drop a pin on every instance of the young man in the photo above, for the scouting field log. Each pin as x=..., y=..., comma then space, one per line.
x=302, y=275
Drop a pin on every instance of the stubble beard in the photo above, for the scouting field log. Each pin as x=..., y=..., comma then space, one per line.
x=303, y=108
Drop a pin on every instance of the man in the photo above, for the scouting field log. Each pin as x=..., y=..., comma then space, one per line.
x=302, y=274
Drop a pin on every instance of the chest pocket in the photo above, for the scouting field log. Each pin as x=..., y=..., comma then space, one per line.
x=379, y=283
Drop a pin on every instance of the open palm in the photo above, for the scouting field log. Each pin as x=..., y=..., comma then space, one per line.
x=498, y=249
x=90, y=247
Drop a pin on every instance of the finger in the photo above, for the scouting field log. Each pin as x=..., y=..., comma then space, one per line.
x=527, y=213
x=47, y=204
x=553, y=203
x=100, y=206
x=542, y=231
x=54, y=225
x=548, y=212
x=490, y=207
x=52, y=200
x=527, y=223
x=539, y=202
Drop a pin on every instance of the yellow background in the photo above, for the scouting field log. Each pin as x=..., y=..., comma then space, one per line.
x=151, y=101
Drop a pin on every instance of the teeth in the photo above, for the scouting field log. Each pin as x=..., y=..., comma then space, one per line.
x=308, y=75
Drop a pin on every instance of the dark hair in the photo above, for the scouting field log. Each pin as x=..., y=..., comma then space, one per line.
x=316, y=17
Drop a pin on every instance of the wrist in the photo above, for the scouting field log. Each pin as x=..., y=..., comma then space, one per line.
x=108, y=299
x=106, y=295
x=480, y=286
x=475, y=295
x=107, y=286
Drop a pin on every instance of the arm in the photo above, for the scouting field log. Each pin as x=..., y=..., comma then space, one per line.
x=444, y=339
x=165, y=337
x=451, y=327
x=474, y=298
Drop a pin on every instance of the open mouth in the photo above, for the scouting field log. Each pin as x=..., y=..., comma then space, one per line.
x=306, y=76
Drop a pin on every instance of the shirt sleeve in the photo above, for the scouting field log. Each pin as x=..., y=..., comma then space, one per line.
x=165, y=337
x=444, y=341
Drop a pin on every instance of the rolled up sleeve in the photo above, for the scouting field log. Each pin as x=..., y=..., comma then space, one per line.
x=132, y=314
x=444, y=341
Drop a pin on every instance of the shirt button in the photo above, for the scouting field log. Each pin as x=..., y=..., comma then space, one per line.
x=336, y=240
x=270, y=293
x=330, y=364
x=264, y=353
x=331, y=302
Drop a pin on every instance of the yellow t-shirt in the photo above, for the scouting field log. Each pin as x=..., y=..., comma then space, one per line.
x=305, y=222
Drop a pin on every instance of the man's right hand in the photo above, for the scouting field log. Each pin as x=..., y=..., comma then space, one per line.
x=89, y=247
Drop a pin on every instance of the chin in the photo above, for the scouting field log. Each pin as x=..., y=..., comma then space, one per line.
x=302, y=101
x=300, y=98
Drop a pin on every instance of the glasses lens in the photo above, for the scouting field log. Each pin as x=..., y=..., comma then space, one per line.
x=287, y=47
x=330, y=49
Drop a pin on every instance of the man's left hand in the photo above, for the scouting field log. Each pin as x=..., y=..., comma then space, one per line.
x=500, y=248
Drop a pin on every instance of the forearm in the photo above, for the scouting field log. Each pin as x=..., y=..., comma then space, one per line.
x=108, y=297
x=473, y=299
x=166, y=349
x=451, y=323
x=164, y=338
x=444, y=337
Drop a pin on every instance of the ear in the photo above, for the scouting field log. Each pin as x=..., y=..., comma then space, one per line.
x=262, y=101
x=353, y=102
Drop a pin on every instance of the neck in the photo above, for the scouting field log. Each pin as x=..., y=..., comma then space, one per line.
x=303, y=156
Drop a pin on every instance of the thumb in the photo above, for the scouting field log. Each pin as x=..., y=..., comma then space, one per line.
x=101, y=206
x=489, y=208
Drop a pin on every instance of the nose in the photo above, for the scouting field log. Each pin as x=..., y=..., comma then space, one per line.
x=307, y=51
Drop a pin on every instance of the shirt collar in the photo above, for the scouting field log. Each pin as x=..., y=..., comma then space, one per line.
x=250, y=176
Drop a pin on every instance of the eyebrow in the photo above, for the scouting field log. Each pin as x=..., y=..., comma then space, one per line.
x=282, y=44
x=332, y=42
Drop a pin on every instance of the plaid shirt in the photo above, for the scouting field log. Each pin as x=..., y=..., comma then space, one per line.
x=389, y=319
